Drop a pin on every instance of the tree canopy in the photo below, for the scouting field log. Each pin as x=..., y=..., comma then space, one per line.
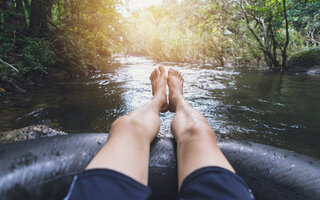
x=38, y=36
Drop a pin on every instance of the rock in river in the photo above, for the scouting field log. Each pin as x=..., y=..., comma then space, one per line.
x=28, y=133
x=305, y=60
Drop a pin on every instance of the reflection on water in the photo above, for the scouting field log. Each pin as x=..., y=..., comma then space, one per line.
x=244, y=104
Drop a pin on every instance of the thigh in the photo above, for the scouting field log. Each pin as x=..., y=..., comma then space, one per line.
x=214, y=183
x=106, y=184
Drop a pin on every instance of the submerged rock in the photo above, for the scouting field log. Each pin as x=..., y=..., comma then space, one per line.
x=314, y=71
x=9, y=84
x=304, y=60
x=28, y=133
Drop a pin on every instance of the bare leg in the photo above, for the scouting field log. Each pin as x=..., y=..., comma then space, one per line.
x=128, y=146
x=196, y=141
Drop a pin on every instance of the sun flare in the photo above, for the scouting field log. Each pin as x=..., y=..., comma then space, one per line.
x=134, y=5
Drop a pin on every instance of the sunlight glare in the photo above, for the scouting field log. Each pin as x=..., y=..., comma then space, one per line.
x=134, y=5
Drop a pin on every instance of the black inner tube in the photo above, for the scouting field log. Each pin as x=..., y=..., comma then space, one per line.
x=44, y=168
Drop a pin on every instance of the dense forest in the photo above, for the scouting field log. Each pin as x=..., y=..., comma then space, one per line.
x=238, y=32
x=55, y=37
x=42, y=39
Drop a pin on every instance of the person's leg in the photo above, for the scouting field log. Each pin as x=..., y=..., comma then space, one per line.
x=196, y=141
x=128, y=146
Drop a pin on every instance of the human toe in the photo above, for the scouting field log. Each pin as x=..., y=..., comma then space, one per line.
x=162, y=70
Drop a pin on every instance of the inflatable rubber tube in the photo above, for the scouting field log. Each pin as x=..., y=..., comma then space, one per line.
x=44, y=168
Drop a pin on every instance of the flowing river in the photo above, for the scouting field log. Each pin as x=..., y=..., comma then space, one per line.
x=239, y=103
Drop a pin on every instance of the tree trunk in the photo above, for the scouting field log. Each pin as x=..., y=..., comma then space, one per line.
x=268, y=60
x=284, y=52
x=9, y=18
x=2, y=16
x=40, y=14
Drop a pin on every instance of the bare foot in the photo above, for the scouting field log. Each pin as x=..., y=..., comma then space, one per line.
x=175, y=83
x=159, y=82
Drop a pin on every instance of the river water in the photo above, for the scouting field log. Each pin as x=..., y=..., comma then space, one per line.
x=244, y=104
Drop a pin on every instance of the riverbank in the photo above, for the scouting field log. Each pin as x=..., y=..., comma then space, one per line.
x=13, y=82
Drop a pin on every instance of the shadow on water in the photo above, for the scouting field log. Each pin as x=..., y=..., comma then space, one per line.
x=279, y=110
x=80, y=106
x=245, y=104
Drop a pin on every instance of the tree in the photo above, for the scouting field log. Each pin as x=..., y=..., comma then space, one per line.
x=305, y=19
x=266, y=20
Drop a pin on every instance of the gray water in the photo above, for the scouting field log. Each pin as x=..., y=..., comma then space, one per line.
x=239, y=103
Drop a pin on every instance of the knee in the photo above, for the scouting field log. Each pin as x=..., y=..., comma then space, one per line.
x=127, y=125
x=197, y=132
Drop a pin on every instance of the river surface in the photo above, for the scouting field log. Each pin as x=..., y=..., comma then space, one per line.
x=244, y=104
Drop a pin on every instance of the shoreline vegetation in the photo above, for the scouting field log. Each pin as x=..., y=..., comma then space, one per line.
x=58, y=39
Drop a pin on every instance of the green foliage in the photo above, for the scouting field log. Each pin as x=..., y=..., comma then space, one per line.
x=74, y=35
x=81, y=35
x=191, y=31
x=7, y=48
x=86, y=32
x=305, y=19
x=267, y=22
x=37, y=56
x=218, y=31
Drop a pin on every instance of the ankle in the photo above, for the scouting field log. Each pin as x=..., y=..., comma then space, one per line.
x=159, y=99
